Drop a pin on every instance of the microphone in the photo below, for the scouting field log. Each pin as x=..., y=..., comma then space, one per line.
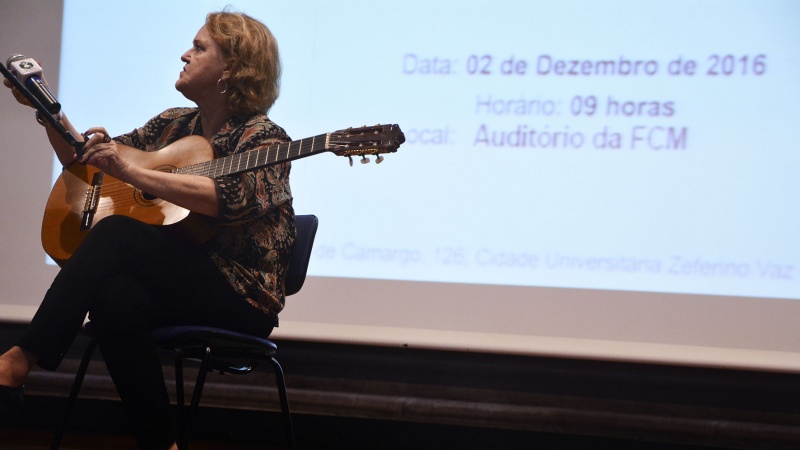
x=29, y=73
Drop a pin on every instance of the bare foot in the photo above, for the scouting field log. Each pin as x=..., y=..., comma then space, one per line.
x=15, y=364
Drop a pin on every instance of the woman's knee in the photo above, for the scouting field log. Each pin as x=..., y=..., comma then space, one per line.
x=115, y=228
x=117, y=244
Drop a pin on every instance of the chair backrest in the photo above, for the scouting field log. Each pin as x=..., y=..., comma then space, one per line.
x=301, y=255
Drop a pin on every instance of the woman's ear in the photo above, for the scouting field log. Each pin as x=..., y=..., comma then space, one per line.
x=228, y=66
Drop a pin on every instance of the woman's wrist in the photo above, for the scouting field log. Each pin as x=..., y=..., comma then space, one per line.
x=45, y=123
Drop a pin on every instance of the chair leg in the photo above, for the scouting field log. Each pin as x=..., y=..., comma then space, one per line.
x=287, y=417
x=179, y=398
x=73, y=395
x=185, y=423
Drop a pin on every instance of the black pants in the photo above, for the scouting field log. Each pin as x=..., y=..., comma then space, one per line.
x=132, y=278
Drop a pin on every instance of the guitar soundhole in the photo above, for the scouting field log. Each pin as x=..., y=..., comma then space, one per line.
x=145, y=199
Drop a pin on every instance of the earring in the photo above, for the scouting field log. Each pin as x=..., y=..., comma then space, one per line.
x=226, y=86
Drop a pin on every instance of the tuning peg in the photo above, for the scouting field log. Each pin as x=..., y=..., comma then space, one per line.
x=351, y=160
x=364, y=160
x=379, y=159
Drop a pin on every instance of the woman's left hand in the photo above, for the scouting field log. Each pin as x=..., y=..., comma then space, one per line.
x=102, y=152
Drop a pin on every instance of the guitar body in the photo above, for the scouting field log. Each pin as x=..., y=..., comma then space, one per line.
x=66, y=222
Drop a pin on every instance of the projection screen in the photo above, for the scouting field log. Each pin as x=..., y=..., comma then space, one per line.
x=606, y=180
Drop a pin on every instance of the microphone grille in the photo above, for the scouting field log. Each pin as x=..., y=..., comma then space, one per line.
x=13, y=58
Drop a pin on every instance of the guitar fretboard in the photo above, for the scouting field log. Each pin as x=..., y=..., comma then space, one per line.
x=274, y=154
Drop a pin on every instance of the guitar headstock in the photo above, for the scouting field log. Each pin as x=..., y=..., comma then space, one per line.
x=363, y=141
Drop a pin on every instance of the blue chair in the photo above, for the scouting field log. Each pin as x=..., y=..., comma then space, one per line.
x=217, y=349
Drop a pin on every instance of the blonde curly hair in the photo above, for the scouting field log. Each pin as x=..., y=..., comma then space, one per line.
x=254, y=82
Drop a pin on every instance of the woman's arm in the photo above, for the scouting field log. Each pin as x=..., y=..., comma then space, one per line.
x=64, y=152
x=193, y=192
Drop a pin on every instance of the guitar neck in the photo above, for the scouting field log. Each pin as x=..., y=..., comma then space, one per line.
x=254, y=159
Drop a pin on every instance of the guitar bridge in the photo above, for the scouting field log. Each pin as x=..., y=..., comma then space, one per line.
x=91, y=201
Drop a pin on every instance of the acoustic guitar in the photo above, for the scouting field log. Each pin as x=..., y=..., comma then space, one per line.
x=83, y=195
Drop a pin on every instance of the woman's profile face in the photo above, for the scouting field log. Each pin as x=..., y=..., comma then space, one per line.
x=204, y=65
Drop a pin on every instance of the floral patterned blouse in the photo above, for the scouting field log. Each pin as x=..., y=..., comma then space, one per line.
x=252, y=245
